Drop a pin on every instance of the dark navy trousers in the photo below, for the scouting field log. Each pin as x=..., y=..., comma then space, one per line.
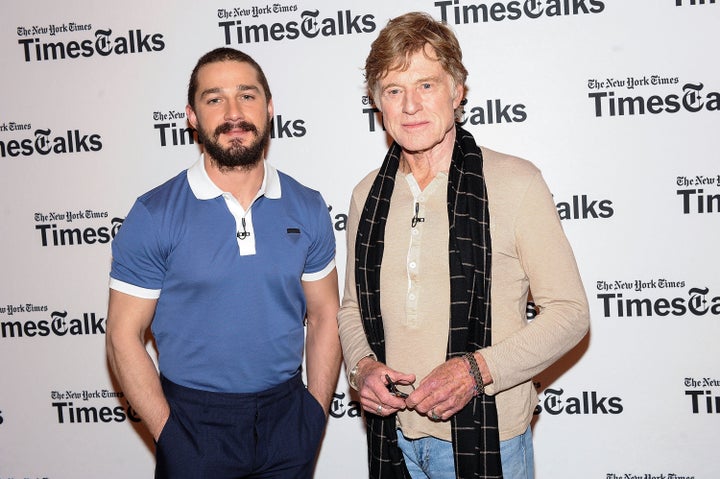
x=270, y=434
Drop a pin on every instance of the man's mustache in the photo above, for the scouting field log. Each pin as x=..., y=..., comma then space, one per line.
x=228, y=126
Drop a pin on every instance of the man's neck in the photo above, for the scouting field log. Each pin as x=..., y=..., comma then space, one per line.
x=425, y=165
x=242, y=182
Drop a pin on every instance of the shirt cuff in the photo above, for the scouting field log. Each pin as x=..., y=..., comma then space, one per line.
x=133, y=290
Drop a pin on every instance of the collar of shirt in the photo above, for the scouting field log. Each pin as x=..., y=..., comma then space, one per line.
x=204, y=189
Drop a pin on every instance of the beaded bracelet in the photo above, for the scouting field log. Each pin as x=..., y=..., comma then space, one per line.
x=475, y=372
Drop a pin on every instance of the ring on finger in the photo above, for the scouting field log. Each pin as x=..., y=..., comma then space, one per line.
x=434, y=416
x=379, y=409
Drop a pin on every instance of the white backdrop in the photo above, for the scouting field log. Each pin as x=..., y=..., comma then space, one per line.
x=617, y=102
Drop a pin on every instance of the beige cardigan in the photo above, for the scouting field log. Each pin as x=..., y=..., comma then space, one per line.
x=529, y=250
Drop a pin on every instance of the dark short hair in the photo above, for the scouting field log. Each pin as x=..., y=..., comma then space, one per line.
x=224, y=54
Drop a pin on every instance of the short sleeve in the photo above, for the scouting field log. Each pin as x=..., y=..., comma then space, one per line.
x=321, y=256
x=137, y=258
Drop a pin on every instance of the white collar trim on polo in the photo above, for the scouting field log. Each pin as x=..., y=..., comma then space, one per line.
x=204, y=189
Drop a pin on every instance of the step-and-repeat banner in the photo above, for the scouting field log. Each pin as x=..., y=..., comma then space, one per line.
x=618, y=102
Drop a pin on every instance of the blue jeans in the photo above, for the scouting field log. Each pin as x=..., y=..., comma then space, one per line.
x=432, y=458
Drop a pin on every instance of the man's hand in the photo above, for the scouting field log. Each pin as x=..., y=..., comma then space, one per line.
x=372, y=384
x=443, y=392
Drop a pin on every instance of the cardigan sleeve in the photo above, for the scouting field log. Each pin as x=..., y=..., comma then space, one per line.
x=539, y=255
x=352, y=334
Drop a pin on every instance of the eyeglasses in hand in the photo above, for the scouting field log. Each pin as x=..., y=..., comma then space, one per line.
x=392, y=387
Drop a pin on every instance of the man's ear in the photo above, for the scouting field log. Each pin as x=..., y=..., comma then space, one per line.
x=190, y=114
x=459, y=95
x=270, y=109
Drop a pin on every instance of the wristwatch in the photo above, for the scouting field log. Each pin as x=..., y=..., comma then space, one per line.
x=352, y=375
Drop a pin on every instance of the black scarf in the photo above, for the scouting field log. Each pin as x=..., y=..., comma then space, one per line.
x=475, y=436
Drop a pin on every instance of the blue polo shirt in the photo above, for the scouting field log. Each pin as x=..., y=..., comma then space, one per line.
x=230, y=304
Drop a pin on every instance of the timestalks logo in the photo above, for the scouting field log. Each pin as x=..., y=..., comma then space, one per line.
x=702, y=399
x=494, y=111
x=52, y=235
x=60, y=324
x=697, y=201
x=68, y=413
x=587, y=403
x=310, y=25
x=452, y=11
x=338, y=408
x=103, y=44
x=692, y=99
x=581, y=207
x=704, y=402
x=170, y=134
x=45, y=143
x=694, y=198
x=697, y=303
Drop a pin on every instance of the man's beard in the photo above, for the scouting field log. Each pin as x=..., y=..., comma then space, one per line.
x=237, y=154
